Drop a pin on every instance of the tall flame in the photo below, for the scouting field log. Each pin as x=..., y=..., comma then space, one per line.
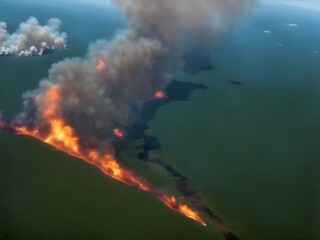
x=64, y=138
x=101, y=65
x=160, y=94
x=118, y=133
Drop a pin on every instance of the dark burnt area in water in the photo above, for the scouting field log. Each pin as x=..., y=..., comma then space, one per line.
x=194, y=68
x=176, y=91
x=185, y=189
x=236, y=83
x=197, y=56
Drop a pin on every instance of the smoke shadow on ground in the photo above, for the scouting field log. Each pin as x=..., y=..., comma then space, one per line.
x=195, y=61
x=236, y=83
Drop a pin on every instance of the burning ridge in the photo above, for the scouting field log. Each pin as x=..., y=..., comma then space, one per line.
x=63, y=137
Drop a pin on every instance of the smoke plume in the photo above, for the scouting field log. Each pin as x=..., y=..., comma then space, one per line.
x=107, y=88
x=32, y=39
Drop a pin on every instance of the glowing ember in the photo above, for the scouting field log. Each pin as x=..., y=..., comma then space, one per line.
x=101, y=65
x=184, y=209
x=118, y=133
x=160, y=94
x=64, y=138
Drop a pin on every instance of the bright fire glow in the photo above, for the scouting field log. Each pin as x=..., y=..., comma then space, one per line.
x=101, y=65
x=160, y=94
x=64, y=138
x=173, y=204
x=118, y=133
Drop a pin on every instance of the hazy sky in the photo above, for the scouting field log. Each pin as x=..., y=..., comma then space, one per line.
x=97, y=2
x=312, y=4
x=307, y=4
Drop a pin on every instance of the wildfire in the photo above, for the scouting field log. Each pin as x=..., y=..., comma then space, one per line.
x=118, y=133
x=173, y=204
x=160, y=95
x=63, y=137
x=101, y=65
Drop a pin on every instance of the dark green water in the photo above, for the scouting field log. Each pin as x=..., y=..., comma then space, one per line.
x=251, y=150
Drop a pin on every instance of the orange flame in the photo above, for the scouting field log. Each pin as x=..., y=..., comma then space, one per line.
x=160, y=94
x=64, y=138
x=173, y=204
x=101, y=65
x=118, y=133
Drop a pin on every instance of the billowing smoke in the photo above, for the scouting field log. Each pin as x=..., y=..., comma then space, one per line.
x=106, y=89
x=32, y=39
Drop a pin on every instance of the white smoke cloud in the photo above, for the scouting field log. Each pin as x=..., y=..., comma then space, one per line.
x=32, y=39
x=294, y=25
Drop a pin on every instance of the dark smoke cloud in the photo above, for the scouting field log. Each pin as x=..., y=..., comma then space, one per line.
x=32, y=39
x=139, y=61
